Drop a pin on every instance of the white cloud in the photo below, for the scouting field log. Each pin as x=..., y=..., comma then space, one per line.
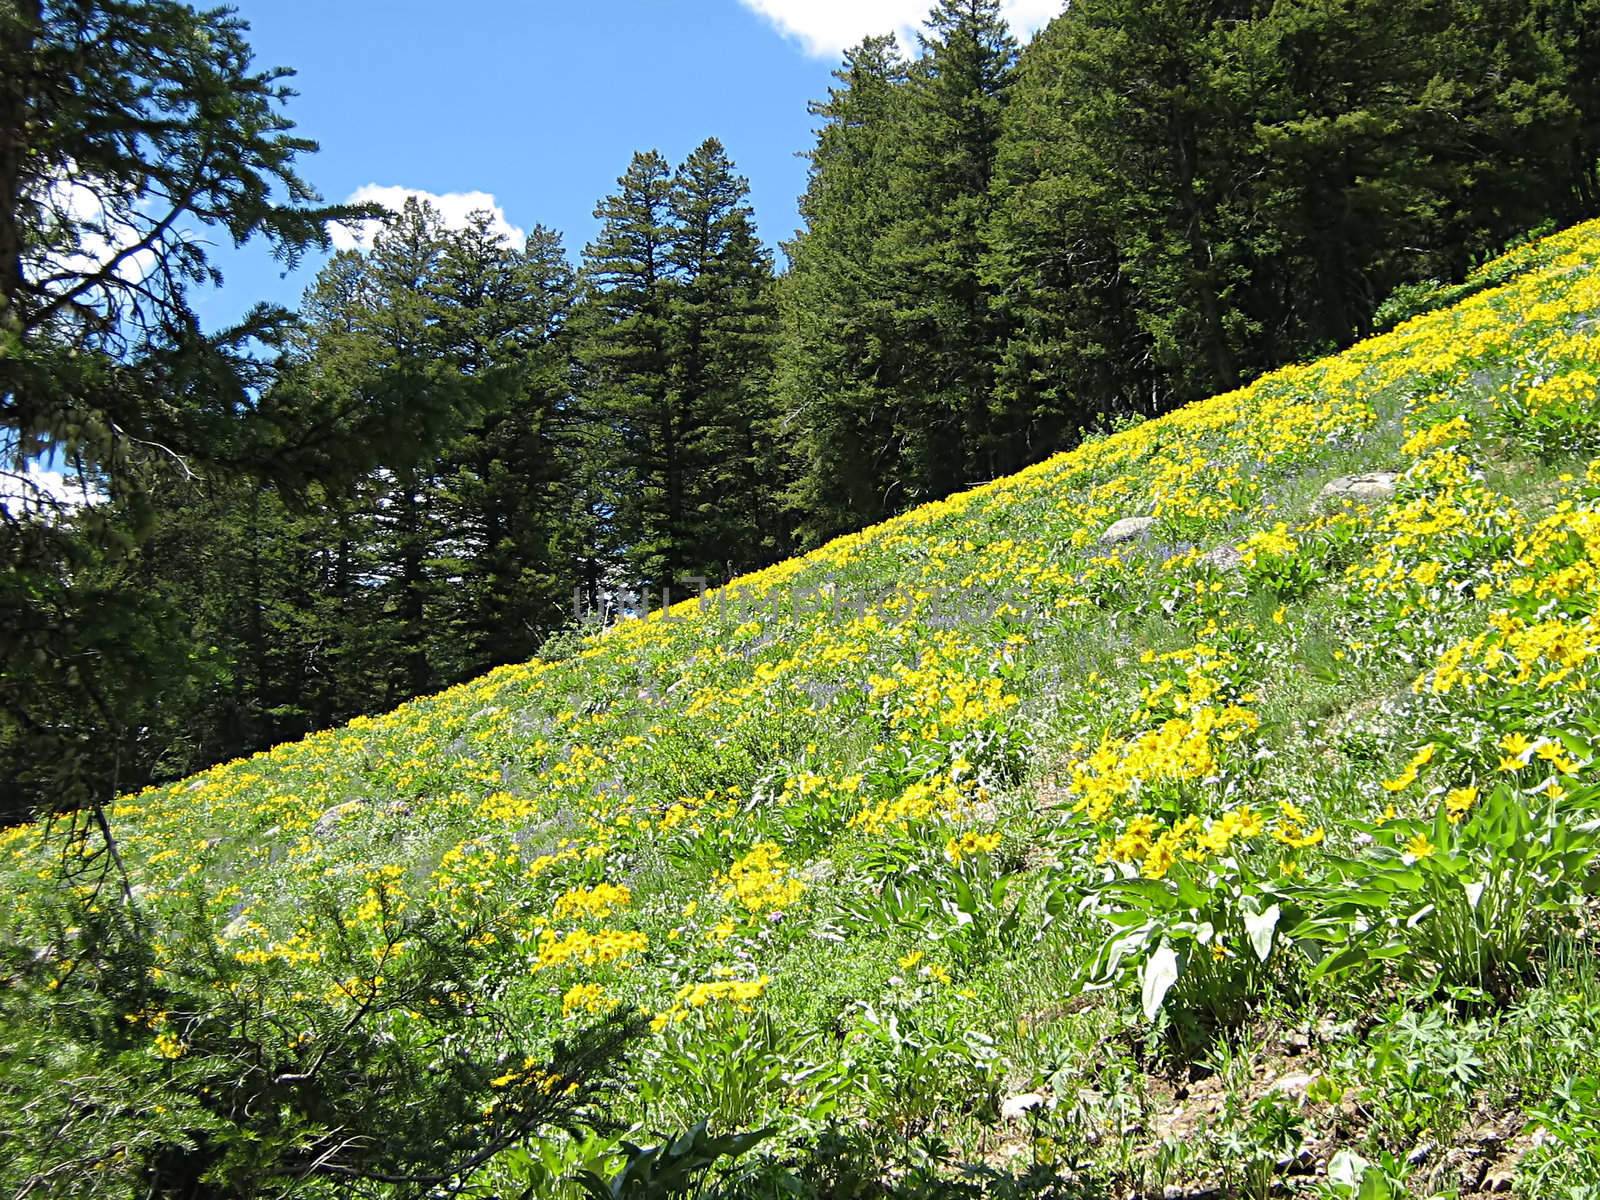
x=827, y=27
x=38, y=492
x=95, y=236
x=453, y=207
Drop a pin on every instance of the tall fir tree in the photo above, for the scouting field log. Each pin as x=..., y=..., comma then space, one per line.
x=675, y=337
x=634, y=431
x=945, y=318
x=723, y=328
x=891, y=328
x=1573, y=27
x=1193, y=191
x=418, y=340
x=837, y=338
x=132, y=137
x=506, y=480
x=458, y=550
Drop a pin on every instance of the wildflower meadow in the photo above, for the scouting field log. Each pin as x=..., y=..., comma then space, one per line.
x=1010, y=846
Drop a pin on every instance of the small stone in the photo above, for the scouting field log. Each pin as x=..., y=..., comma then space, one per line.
x=818, y=872
x=329, y=821
x=1017, y=1107
x=1498, y=1181
x=1487, y=1135
x=1420, y=1153
x=1296, y=1084
x=1126, y=530
x=1222, y=558
x=1374, y=487
x=1297, y=1163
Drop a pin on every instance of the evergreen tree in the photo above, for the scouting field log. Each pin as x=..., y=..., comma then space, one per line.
x=124, y=127
x=836, y=335
x=944, y=317
x=456, y=552
x=1394, y=141
x=892, y=329
x=1123, y=192
x=506, y=489
x=1193, y=191
x=722, y=346
x=1573, y=27
x=413, y=337
x=1073, y=350
x=634, y=429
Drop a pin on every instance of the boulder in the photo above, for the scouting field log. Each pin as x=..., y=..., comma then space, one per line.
x=1126, y=530
x=1017, y=1107
x=1223, y=558
x=329, y=821
x=1374, y=487
x=1296, y=1084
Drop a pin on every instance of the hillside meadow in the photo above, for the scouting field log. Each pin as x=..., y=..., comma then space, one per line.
x=1209, y=809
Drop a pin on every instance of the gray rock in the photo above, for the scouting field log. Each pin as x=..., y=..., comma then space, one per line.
x=1017, y=1107
x=1223, y=558
x=818, y=872
x=329, y=821
x=235, y=928
x=1295, y=1084
x=1374, y=487
x=1126, y=530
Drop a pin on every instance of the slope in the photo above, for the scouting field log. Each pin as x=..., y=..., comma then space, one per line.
x=979, y=836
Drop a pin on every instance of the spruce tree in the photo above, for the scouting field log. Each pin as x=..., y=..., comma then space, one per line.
x=506, y=480
x=944, y=317
x=125, y=130
x=634, y=430
x=891, y=329
x=722, y=326
x=834, y=302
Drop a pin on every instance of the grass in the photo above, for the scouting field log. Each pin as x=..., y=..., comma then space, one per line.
x=968, y=807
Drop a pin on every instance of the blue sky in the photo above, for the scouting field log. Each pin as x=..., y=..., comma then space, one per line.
x=539, y=103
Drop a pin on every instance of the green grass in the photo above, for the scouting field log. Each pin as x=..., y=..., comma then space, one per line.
x=874, y=860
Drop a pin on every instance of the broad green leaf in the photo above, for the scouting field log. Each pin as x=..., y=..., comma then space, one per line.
x=1259, y=927
x=1159, y=973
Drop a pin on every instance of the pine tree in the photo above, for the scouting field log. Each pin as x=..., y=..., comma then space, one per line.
x=635, y=432
x=722, y=326
x=457, y=549
x=418, y=338
x=891, y=330
x=836, y=337
x=505, y=496
x=1194, y=191
x=1573, y=27
x=945, y=317
x=131, y=126
x=1073, y=350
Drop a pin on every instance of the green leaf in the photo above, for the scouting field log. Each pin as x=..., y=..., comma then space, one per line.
x=1259, y=927
x=1346, y=959
x=1159, y=973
